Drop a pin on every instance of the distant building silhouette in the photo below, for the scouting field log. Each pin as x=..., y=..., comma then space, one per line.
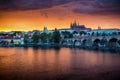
x=75, y=26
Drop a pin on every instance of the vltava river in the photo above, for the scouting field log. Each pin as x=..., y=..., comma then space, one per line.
x=58, y=64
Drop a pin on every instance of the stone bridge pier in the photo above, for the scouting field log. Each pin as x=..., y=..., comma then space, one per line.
x=106, y=41
x=77, y=42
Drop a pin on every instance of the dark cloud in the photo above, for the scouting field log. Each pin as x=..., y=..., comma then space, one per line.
x=99, y=7
x=44, y=14
x=32, y=4
x=29, y=4
x=82, y=6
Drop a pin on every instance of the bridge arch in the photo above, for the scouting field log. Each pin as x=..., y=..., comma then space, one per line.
x=70, y=42
x=96, y=42
x=77, y=42
x=84, y=42
x=118, y=43
x=63, y=42
x=113, y=42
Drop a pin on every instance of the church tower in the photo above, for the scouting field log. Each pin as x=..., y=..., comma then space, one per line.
x=46, y=30
x=75, y=24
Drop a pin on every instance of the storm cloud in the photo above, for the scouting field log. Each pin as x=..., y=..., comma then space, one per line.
x=29, y=4
x=83, y=6
x=99, y=7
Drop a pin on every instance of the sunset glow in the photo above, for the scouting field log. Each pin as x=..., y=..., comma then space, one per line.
x=25, y=15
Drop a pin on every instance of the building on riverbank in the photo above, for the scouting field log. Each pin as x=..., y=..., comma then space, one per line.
x=103, y=32
x=75, y=35
x=10, y=41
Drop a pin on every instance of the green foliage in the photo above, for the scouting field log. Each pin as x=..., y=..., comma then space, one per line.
x=26, y=37
x=13, y=34
x=44, y=37
x=36, y=37
x=67, y=34
x=12, y=42
x=56, y=36
x=50, y=37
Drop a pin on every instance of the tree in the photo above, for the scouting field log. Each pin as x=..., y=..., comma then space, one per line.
x=67, y=34
x=26, y=37
x=44, y=37
x=36, y=37
x=70, y=35
x=13, y=34
x=50, y=37
x=12, y=42
x=56, y=36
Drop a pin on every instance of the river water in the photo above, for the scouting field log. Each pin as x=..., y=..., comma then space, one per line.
x=58, y=64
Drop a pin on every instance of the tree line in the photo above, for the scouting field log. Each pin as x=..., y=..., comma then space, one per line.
x=43, y=37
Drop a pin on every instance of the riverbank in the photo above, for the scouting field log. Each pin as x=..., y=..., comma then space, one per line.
x=104, y=49
x=111, y=49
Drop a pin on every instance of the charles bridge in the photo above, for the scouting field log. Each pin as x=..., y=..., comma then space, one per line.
x=90, y=41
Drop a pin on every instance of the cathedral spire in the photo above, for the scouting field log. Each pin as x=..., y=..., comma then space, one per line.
x=75, y=23
x=71, y=24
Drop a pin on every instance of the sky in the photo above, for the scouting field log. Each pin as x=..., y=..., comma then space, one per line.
x=27, y=15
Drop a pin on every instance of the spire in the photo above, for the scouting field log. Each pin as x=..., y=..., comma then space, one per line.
x=75, y=23
x=44, y=27
x=71, y=24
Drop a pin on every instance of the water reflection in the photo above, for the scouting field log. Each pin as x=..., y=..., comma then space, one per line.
x=30, y=63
